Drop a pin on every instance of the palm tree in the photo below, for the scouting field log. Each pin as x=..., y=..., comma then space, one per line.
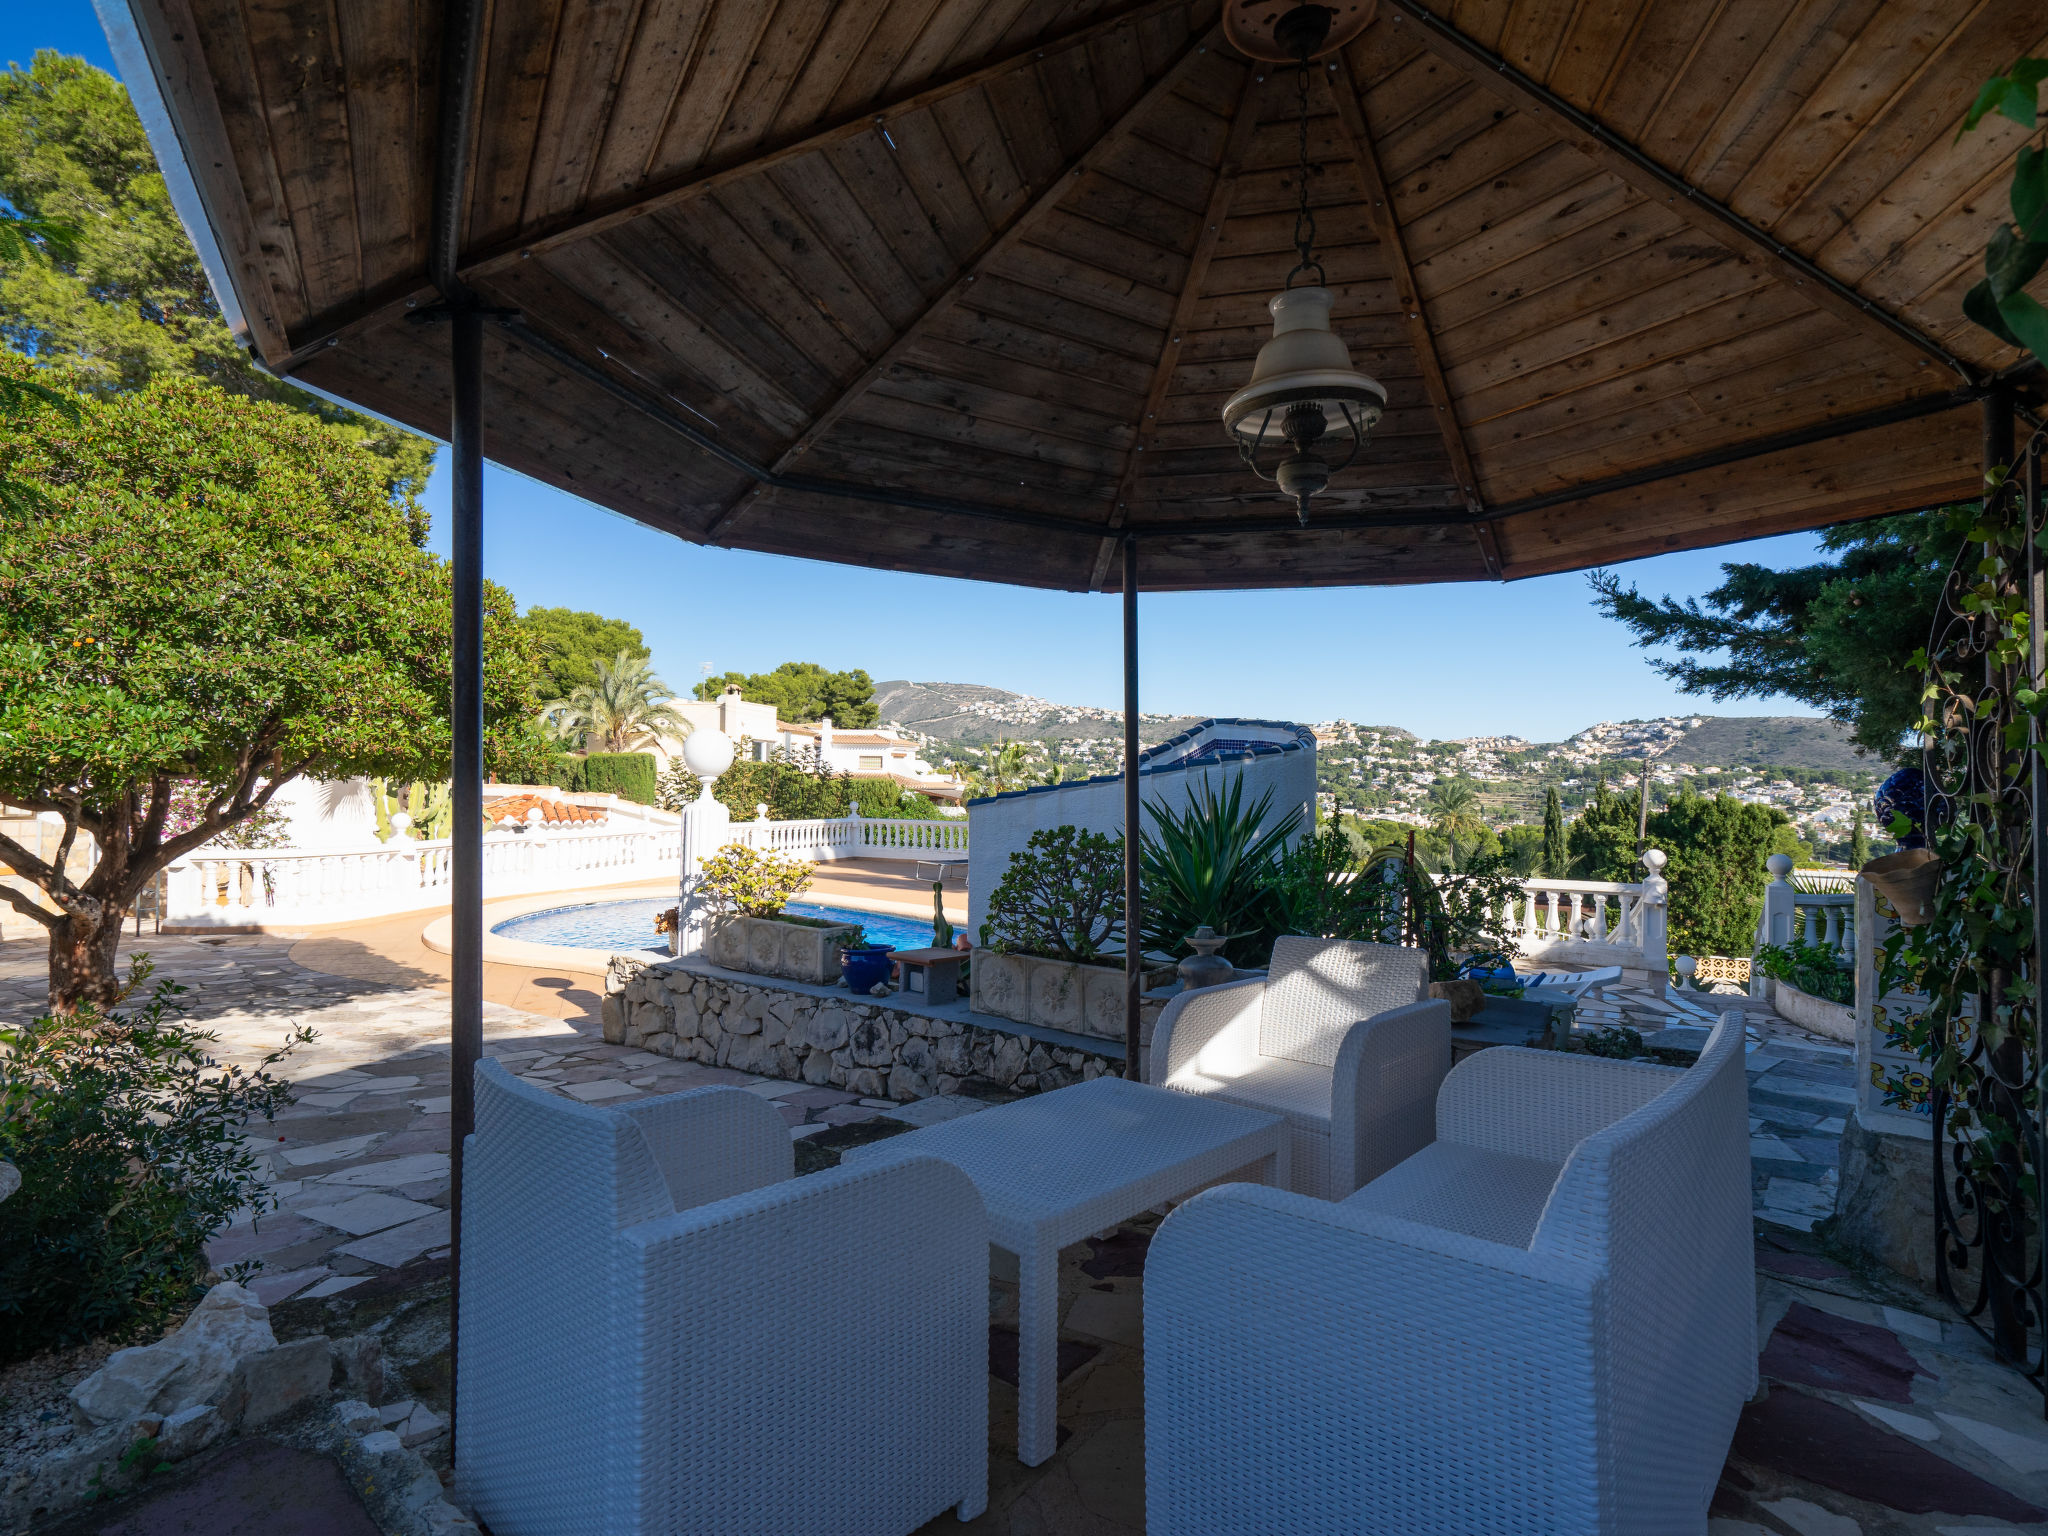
x=1454, y=809
x=1005, y=765
x=627, y=708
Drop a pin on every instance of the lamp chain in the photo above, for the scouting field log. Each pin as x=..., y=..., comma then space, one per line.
x=1304, y=217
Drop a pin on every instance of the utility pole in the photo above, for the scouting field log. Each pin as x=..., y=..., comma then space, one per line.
x=1643, y=809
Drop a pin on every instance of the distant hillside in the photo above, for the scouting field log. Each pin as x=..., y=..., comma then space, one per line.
x=1771, y=741
x=974, y=713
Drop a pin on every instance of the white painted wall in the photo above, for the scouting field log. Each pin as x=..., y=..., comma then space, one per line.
x=329, y=815
x=1281, y=757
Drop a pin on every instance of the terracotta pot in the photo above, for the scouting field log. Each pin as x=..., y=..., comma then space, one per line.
x=1908, y=880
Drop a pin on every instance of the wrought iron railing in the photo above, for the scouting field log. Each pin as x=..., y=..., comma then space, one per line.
x=1976, y=961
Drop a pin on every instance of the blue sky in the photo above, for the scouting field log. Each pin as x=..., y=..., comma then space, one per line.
x=1529, y=658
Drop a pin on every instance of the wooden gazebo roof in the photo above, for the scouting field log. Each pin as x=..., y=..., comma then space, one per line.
x=1639, y=275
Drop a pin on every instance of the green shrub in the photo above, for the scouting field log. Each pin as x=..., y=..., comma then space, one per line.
x=522, y=753
x=1717, y=849
x=1452, y=915
x=629, y=775
x=128, y=1139
x=1061, y=898
x=1717, y=873
x=1812, y=968
x=791, y=793
x=1319, y=891
x=745, y=880
x=888, y=799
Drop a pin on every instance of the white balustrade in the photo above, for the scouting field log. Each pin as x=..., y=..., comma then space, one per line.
x=857, y=837
x=225, y=888
x=1819, y=917
x=1592, y=923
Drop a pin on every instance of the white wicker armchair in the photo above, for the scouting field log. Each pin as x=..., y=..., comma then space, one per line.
x=1337, y=1037
x=1546, y=1322
x=663, y=1331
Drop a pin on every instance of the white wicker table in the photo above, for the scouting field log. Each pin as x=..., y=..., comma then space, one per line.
x=1060, y=1166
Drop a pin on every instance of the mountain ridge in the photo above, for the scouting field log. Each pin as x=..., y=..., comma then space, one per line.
x=975, y=713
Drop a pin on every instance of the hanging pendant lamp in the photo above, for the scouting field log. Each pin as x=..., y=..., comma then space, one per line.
x=1303, y=387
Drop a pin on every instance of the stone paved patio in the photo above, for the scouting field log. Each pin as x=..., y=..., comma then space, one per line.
x=1881, y=1416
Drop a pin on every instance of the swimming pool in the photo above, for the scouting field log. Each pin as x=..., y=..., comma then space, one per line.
x=629, y=925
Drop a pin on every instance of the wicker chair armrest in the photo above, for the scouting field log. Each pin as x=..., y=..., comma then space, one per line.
x=711, y=1143
x=1384, y=1091
x=1226, y=1016
x=1541, y=1103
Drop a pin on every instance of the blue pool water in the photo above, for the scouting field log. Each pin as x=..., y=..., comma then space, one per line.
x=629, y=925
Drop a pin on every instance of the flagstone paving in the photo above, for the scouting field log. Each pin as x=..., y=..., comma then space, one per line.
x=1881, y=1415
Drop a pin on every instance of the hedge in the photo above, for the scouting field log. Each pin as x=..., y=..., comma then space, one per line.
x=886, y=798
x=629, y=775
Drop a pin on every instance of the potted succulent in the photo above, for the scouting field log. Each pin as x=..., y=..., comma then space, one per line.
x=1051, y=943
x=751, y=931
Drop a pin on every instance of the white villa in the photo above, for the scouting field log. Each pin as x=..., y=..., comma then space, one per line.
x=879, y=752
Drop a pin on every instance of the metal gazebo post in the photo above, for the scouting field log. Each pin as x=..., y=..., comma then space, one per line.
x=466, y=892
x=462, y=43
x=1134, y=960
x=2037, y=831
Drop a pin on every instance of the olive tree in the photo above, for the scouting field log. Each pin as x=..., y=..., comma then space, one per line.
x=203, y=591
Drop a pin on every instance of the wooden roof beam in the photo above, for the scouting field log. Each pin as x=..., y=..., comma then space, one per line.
x=1242, y=127
x=409, y=293
x=1617, y=156
x=1386, y=225
x=1000, y=241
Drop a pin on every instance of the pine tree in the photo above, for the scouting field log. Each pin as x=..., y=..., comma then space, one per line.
x=1555, y=860
x=1859, y=842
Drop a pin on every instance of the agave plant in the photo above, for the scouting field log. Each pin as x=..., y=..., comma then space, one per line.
x=1215, y=862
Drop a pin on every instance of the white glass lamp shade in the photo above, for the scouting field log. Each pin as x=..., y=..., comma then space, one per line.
x=1305, y=360
x=708, y=752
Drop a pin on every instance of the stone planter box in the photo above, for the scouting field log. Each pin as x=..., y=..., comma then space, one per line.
x=771, y=946
x=1835, y=1020
x=858, y=1044
x=1054, y=994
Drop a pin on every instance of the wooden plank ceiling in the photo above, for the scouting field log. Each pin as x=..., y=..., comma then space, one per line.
x=1017, y=252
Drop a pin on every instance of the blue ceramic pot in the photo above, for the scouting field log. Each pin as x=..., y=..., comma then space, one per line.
x=864, y=966
x=1905, y=792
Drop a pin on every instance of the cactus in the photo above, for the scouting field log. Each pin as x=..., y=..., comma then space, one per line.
x=430, y=808
x=383, y=804
x=942, y=931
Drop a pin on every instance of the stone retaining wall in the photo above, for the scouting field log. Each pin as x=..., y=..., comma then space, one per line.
x=863, y=1046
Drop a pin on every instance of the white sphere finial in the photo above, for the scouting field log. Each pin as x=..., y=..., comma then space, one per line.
x=707, y=753
x=400, y=822
x=1779, y=864
x=1654, y=860
x=535, y=816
